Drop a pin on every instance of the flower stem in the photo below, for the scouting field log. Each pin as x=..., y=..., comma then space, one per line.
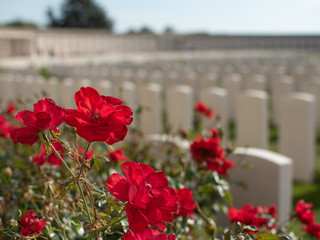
x=87, y=188
x=84, y=158
x=58, y=219
x=85, y=203
x=209, y=221
x=77, y=180
x=58, y=155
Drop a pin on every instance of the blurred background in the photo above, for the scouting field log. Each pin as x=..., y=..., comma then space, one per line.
x=166, y=26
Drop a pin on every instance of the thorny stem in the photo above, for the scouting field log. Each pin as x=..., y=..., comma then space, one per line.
x=58, y=219
x=58, y=155
x=84, y=158
x=209, y=221
x=61, y=140
x=85, y=183
x=77, y=180
x=85, y=203
x=108, y=147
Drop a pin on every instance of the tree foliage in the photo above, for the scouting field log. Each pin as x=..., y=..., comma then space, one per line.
x=80, y=14
x=20, y=23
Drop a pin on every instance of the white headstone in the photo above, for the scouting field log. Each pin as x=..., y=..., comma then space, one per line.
x=279, y=87
x=6, y=90
x=127, y=93
x=313, y=88
x=232, y=83
x=216, y=98
x=252, y=119
x=151, y=115
x=39, y=87
x=258, y=82
x=297, y=133
x=52, y=89
x=268, y=181
x=67, y=90
x=104, y=87
x=82, y=83
x=28, y=95
x=180, y=107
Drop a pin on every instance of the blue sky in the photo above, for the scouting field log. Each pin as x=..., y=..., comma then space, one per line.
x=187, y=16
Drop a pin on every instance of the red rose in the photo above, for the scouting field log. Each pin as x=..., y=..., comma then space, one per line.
x=304, y=213
x=252, y=215
x=150, y=200
x=117, y=155
x=5, y=127
x=46, y=115
x=99, y=118
x=42, y=157
x=89, y=154
x=11, y=108
x=148, y=234
x=204, y=110
x=207, y=152
x=185, y=202
x=313, y=228
x=30, y=224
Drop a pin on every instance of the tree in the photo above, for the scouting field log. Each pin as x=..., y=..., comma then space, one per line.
x=146, y=30
x=169, y=30
x=20, y=23
x=80, y=14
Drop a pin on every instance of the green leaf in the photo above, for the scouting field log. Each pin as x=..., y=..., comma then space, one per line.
x=228, y=197
x=98, y=189
x=250, y=228
x=189, y=175
x=227, y=235
x=266, y=236
x=12, y=234
x=97, y=163
x=103, y=214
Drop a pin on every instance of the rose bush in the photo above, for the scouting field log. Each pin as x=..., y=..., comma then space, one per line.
x=165, y=192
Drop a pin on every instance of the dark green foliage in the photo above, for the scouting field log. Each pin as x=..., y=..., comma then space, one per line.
x=80, y=14
x=21, y=24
